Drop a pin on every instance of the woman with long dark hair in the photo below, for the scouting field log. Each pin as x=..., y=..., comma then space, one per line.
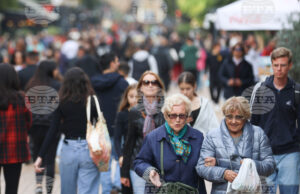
x=15, y=121
x=44, y=78
x=77, y=170
x=203, y=117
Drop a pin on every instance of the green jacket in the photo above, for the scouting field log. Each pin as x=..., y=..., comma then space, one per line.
x=189, y=57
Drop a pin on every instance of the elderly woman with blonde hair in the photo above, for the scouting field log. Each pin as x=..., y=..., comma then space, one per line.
x=170, y=152
x=224, y=148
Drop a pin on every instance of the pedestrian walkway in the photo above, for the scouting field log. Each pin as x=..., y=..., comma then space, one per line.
x=27, y=179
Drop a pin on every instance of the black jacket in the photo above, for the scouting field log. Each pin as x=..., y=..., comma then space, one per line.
x=280, y=123
x=135, y=137
x=229, y=70
x=109, y=89
x=26, y=74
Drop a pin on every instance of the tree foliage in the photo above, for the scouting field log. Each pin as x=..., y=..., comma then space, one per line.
x=291, y=40
x=196, y=9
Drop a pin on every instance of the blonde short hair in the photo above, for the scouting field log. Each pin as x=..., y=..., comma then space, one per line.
x=240, y=104
x=177, y=99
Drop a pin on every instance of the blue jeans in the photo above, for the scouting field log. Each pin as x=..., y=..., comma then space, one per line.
x=287, y=174
x=106, y=177
x=77, y=170
x=138, y=183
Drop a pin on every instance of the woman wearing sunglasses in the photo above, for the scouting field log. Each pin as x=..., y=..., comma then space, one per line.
x=170, y=153
x=224, y=148
x=143, y=118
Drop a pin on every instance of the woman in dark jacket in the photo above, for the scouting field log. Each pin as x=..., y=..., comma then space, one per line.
x=43, y=79
x=15, y=121
x=77, y=170
x=128, y=101
x=236, y=73
x=143, y=118
x=180, y=150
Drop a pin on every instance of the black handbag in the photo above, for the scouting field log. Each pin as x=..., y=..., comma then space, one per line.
x=173, y=187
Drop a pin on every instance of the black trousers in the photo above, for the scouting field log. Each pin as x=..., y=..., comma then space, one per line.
x=37, y=138
x=215, y=90
x=12, y=174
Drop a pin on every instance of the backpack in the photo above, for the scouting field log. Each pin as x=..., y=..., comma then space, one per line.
x=139, y=67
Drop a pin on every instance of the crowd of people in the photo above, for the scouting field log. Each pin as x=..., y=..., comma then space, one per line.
x=156, y=138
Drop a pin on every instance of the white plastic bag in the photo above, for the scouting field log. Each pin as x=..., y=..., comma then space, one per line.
x=247, y=180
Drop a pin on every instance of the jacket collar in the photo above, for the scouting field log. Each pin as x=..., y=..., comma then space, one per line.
x=270, y=79
x=162, y=134
x=244, y=147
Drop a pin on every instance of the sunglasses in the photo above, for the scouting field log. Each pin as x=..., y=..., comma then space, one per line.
x=238, y=49
x=147, y=82
x=175, y=116
x=237, y=117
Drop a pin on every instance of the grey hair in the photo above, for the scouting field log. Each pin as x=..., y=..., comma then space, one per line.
x=177, y=99
x=240, y=104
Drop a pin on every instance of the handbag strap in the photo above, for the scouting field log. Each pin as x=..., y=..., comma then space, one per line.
x=88, y=107
x=162, y=158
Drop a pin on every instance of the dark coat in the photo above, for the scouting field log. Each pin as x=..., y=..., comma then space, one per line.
x=174, y=167
x=26, y=74
x=135, y=136
x=229, y=70
x=89, y=65
x=109, y=89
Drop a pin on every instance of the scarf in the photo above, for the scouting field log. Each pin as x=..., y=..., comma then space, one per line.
x=181, y=147
x=150, y=109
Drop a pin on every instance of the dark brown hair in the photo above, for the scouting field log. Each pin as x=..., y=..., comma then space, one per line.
x=188, y=78
x=76, y=86
x=9, y=86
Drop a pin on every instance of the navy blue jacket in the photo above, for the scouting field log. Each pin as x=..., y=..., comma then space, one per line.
x=109, y=89
x=229, y=70
x=174, y=167
x=280, y=123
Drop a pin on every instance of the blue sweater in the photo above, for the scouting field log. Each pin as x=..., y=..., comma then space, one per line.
x=174, y=167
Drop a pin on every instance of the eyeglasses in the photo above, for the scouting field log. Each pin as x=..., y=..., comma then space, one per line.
x=147, y=82
x=175, y=116
x=280, y=65
x=237, y=117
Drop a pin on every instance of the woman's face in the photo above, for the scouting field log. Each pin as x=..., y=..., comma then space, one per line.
x=177, y=117
x=187, y=89
x=18, y=58
x=150, y=86
x=235, y=122
x=132, y=97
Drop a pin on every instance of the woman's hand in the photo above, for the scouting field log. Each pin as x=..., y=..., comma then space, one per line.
x=121, y=161
x=230, y=175
x=37, y=165
x=210, y=161
x=125, y=182
x=154, y=178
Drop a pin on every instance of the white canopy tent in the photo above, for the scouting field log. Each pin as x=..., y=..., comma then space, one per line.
x=251, y=15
